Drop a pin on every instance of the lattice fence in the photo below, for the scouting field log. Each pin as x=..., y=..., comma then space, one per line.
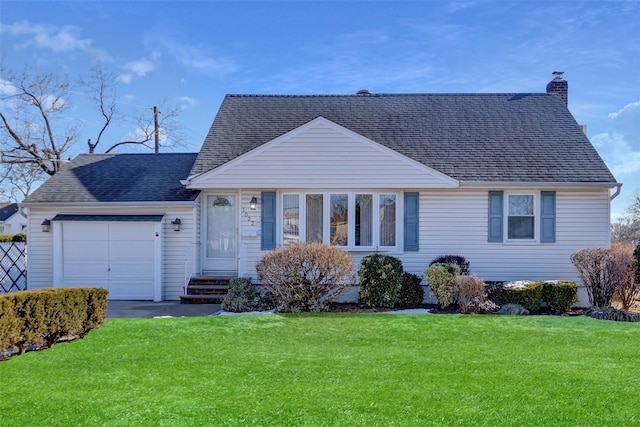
x=13, y=267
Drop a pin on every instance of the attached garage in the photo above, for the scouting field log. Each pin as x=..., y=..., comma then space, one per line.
x=120, y=253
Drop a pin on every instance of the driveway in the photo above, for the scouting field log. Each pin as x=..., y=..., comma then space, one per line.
x=147, y=309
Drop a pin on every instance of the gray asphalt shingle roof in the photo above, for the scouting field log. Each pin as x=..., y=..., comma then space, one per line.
x=119, y=178
x=8, y=211
x=526, y=137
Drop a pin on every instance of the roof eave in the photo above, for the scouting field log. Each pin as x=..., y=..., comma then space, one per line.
x=520, y=184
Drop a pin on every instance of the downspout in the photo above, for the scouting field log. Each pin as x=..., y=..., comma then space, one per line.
x=614, y=195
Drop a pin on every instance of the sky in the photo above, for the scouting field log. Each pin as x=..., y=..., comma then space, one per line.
x=191, y=53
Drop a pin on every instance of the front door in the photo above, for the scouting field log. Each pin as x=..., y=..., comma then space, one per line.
x=221, y=236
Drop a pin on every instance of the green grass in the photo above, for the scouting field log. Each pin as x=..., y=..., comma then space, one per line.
x=332, y=369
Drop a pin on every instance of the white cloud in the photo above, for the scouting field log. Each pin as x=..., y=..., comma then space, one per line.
x=620, y=146
x=186, y=102
x=7, y=89
x=194, y=57
x=139, y=68
x=57, y=39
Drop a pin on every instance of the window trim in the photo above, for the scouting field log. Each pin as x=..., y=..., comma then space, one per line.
x=536, y=216
x=351, y=203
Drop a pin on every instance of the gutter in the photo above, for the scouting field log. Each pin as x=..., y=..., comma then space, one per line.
x=617, y=192
x=537, y=184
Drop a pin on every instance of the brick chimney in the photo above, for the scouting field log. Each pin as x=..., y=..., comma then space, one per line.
x=559, y=85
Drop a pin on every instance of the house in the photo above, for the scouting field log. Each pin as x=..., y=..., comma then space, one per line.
x=509, y=181
x=12, y=221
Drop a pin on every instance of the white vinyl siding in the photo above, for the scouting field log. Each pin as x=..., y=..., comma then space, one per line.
x=456, y=223
x=174, y=249
x=339, y=157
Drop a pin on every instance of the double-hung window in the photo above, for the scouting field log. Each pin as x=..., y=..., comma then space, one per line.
x=516, y=216
x=353, y=220
x=521, y=217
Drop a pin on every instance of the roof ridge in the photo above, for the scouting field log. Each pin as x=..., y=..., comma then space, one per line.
x=373, y=95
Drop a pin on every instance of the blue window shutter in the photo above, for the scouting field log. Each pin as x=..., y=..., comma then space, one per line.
x=268, y=220
x=411, y=221
x=547, y=217
x=495, y=216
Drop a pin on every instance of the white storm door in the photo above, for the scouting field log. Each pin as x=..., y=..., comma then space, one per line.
x=221, y=236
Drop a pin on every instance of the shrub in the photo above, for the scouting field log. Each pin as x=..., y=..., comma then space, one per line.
x=471, y=292
x=411, y=293
x=40, y=318
x=560, y=295
x=6, y=238
x=440, y=280
x=305, y=276
x=380, y=280
x=595, y=268
x=20, y=237
x=493, y=290
x=623, y=272
x=459, y=260
x=524, y=292
x=242, y=296
x=611, y=313
x=513, y=310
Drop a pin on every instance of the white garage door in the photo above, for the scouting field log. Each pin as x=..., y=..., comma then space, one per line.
x=116, y=256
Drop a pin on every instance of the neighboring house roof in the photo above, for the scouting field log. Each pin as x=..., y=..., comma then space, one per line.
x=119, y=178
x=7, y=211
x=526, y=137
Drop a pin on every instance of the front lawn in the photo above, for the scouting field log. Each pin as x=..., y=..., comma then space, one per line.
x=332, y=369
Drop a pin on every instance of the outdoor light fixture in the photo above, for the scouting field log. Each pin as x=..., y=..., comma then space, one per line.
x=176, y=224
x=253, y=204
x=46, y=225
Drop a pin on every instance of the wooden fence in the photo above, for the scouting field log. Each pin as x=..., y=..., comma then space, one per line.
x=13, y=267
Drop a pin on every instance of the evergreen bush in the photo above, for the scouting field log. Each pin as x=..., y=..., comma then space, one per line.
x=560, y=295
x=242, y=296
x=380, y=280
x=614, y=314
x=459, y=260
x=411, y=293
x=440, y=278
x=524, y=292
x=513, y=310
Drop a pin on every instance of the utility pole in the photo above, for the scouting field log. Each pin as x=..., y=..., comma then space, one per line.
x=156, y=131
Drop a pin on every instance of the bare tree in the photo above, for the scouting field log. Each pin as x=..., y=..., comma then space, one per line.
x=31, y=108
x=19, y=180
x=34, y=106
x=627, y=228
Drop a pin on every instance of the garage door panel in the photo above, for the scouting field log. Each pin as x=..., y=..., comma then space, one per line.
x=85, y=231
x=130, y=269
x=134, y=249
x=86, y=250
x=97, y=269
x=133, y=231
x=119, y=257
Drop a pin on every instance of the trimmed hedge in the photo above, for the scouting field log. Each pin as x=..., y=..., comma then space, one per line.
x=40, y=318
x=8, y=238
x=560, y=295
x=526, y=293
